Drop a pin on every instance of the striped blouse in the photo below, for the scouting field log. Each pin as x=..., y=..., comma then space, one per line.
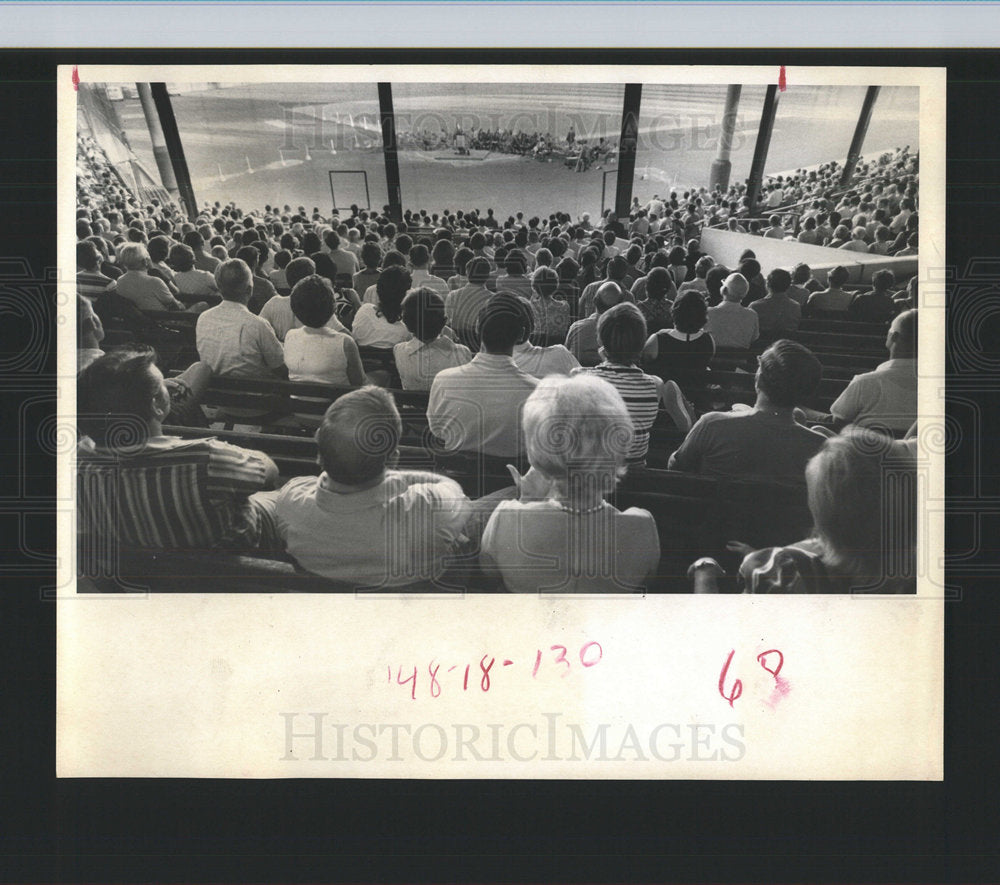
x=641, y=393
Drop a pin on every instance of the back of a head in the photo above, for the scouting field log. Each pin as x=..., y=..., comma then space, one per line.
x=735, y=287
x=608, y=295
x=788, y=373
x=577, y=429
x=502, y=323
x=883, y=280
x=419, y=256
x=801, y=273
x=515, y=264
x=391, y=288
x=621, y=331
x=359, y=436
x=779, y=281
x=903, y=332
x=838, y=276
x=87, y=255
x=658, y=283
x=181, y=258
x=299, y=269
x=312, y=301
x=703, y=266
x=617, y=268
x=133, y=256
x=750, y=268
x=478, y=271
x=158, y=248
x=249, y=256
x=545, y=281
x=332, y=240
x=423, y=314
x=567, y=269
x=689, y=312
x=863, y=507
x=115, y=396
x=234, y=279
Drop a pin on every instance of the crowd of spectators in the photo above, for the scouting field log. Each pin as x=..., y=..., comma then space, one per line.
x=552, y=342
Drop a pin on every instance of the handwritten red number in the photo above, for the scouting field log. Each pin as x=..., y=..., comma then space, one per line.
x=762, y=660
x=485, y=683
x=538, y=663
x=562, y=658
x=737, y=684
x=465, y=682
x=413, y=678
x=435, y=685
x=583, y=654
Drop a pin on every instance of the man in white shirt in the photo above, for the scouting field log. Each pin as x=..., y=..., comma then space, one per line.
x=729, y=323
x=230, y=339
x=477, y=407
x=361, y=521
x=886, y=397
x=420, y=257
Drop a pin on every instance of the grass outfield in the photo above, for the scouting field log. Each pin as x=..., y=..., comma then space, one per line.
x=271, y=143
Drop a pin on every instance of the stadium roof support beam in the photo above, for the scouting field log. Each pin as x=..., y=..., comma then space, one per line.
x=860, y=131
x=627, y=147
x=175, y=150
x=722, y=166
x=390, y=151
x=761, y=147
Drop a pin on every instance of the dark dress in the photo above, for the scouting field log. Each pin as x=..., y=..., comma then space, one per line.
x=683, y=361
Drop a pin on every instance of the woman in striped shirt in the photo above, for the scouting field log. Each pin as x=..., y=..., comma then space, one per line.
x=621, y=331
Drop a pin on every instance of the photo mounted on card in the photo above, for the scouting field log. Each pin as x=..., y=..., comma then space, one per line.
x=502, y=422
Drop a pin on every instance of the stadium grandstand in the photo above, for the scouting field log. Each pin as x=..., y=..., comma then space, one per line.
x=707, y=388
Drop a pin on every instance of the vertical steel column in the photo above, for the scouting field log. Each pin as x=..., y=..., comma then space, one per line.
x=763, y=143
x=627, y=148
x=857, y=143
x=175, y=150
x=722, y=166
x=390, y=151
x=160, y=152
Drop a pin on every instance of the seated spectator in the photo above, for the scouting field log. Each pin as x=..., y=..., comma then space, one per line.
x=230, y=339
x=750, y=269
x=657, y=305
x=581, y=339
x=345, y=262
x=617, y=272
x=906, y=299
x=112, y=271
x=159, y=251
x=202, y=261
x=419, y=260
x=382, y=326
x=701, y=269
x=561, y=535
x=392, y=258
x=877, y=305
x=886, y=397
x=883, y=241
x=419, y=360
x=278, y=311
x=139, y=488
x=462, y=258
x=89, y=334
x=477, y=407
x=803, y=284
x=90, y=282
x=282, y=258
x=858, y=241
x=778, y=313
x=191, y=283
x=551, y=316
x=371, y=257
x=833, y=299
x=263, y=291
x=730, y=324
x=462, y=306
x=362, y=521
x=684, y=352
x=912, y=242
x=714, y=280
x=144, y=291
x=622, y=332
x=841, y=237
x=315, y=352
x=775, y=231
x=567, y=270
x=677, y=265
x=765, y=441
x=809, y=235
x=443, y=260
x=540, y=360
x=853, y=502
x=515, y=281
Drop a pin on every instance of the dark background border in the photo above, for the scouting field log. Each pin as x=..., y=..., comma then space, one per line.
x=596, y=831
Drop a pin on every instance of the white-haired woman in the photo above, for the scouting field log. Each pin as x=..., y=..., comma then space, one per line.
x=562, y=535
x=144, y=291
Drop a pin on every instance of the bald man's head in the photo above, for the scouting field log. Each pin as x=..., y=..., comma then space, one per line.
x=608, y=295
